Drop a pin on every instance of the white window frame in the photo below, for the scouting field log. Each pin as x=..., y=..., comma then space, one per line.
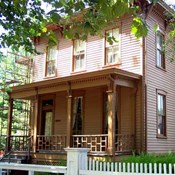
x=160, y=55
x=52, y=61
x=161, y=114
x=79, y=55
x=112, y=47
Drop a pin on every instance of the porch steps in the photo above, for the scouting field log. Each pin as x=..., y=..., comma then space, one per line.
x=13, y=158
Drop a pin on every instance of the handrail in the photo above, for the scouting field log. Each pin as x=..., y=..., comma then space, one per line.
x=7, y=154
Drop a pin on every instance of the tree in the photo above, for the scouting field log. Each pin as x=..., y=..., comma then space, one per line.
x=12, y=74
x=24, y=20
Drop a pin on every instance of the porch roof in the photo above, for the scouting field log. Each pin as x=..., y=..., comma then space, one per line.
x=77, y=81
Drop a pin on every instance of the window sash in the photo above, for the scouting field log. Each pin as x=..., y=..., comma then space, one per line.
x=161, y=125
x=113, y=33
x=79, y=55
x=112, y=54
x=51, y=61
x=50, y=68
x=51, y=53
x=161, y=112
x=160, y=53
x=161, y=104
x=112, y=50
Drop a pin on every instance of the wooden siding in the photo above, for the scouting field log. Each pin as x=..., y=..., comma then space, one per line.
x=93, y=111
x=162, y=80
x=127, y=106
x=60, y=122
x=94, y=58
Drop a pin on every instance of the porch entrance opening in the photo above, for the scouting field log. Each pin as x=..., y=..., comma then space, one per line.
x=47, y=123
x=47, y=117
x=77, y=123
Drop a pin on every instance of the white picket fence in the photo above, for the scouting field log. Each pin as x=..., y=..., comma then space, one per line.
x=32, y=168
x=78, y=164
x=118, y=168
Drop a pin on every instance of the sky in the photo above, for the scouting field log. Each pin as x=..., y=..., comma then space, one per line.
x=171, y=2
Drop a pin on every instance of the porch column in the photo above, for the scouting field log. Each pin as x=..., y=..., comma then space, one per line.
x=36, y=103
x=9, y=124
x=111, y=118
x=69, y=116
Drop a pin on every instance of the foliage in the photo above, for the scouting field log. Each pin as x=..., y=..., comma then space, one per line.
x=150, y=158
x=24, y=20
x=9, y=71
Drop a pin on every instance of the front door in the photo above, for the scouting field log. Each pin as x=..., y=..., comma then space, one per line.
x=47, y=117
x=77, y=121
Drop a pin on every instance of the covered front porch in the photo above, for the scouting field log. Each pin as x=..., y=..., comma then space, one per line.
x=97, y=110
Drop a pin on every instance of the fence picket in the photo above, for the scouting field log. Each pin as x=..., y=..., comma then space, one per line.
x=97, y=165
x=150, y=168
x=124, y=167
x=170, y=168
x=93, y=165
x=101, y=165
x=116, y=170
x=137, y=168
x=155, y=168
x=128, y=167
x=108, y=166
x=120, y=167
x=90, y=164
x=164, y=168
x=132, y=167
x=145, y=168
x=104, y=166
x=141, y=167
x=112, y=166
x=160, y=168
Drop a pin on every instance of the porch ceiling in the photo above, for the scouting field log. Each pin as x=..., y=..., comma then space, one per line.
x=77, y=81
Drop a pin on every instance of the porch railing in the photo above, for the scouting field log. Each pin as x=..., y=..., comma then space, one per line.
x=96, y=143
x=124, y=143
x=51, y=143
x=20, y=143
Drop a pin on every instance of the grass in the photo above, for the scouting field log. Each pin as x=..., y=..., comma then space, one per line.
x=151, y=158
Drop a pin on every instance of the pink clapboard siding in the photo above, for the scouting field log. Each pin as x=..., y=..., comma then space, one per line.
x=130, y=52
x=162, y=80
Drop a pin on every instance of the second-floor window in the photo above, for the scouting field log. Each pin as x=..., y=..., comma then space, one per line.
x=51, y=56
x=79, y=55
x=161, y=115
x=160, y=61
x=112, y=48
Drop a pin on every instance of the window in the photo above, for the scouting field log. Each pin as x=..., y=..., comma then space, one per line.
x=112, y=49
x=77, y=115
x=160, y=52
x=161, y=112
x=79, y=55
x=51, y=61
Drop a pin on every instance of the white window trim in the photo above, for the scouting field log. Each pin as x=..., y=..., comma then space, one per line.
x=45, y=63
x=73, y=64
x=104, y=47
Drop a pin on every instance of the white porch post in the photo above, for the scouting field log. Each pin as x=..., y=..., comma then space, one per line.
x=76, y=160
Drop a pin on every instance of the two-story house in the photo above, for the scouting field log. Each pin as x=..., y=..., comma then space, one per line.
x=113, y=99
